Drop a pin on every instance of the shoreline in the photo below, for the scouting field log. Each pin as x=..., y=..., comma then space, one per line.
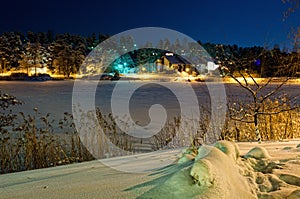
x=155, y=79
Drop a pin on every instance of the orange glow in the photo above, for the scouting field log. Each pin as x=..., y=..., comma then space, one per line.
x=5, y=74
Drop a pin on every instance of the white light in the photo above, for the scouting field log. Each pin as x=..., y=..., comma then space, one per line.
x=169, y=54
x=212, y=66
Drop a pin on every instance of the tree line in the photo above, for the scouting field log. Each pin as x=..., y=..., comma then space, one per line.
x=63, y=54
x=60, y=53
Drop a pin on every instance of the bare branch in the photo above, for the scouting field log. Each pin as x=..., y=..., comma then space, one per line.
x=274, y=90
x=242, y=85
x=277, y=112
x=294, y=6
x=253, y=79
x=242, y=120
x=284, y=104
x=266, y=84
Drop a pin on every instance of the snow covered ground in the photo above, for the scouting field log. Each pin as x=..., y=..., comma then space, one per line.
x=271, y=170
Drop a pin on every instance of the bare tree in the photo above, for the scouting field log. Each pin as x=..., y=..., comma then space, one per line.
x=294, y=5
x=249, y=112
x=259, y=91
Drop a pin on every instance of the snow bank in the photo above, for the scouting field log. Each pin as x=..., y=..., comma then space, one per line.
x=213, y=173
x=219, y=171
x=257, y=153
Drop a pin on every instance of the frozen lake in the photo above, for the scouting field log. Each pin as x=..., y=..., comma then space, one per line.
x=55, y=97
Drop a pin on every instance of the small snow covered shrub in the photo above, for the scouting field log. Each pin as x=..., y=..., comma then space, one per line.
x=202, y=173
x=188, y=155
x=229, y=148
x=257, y=153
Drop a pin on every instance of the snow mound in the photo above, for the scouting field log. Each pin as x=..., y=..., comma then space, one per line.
x=292, y=149
x=220, y=172
x=290, y=179
x=257, y=153
x=229, y=148
x=294, y=195
x=267, y=182
x=287, y=148
x=212, y=174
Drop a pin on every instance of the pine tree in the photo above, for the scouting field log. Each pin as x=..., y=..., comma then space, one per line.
x=34, y=56
x=10, y=51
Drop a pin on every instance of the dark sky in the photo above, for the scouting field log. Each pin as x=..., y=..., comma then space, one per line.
x=246, y=23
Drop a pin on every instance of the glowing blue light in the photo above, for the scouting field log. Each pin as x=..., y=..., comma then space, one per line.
x=257, y=62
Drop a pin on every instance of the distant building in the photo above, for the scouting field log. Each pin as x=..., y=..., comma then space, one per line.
x=173, y=62
x=211, y=66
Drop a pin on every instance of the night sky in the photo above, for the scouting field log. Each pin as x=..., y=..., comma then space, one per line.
x=246, y=23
